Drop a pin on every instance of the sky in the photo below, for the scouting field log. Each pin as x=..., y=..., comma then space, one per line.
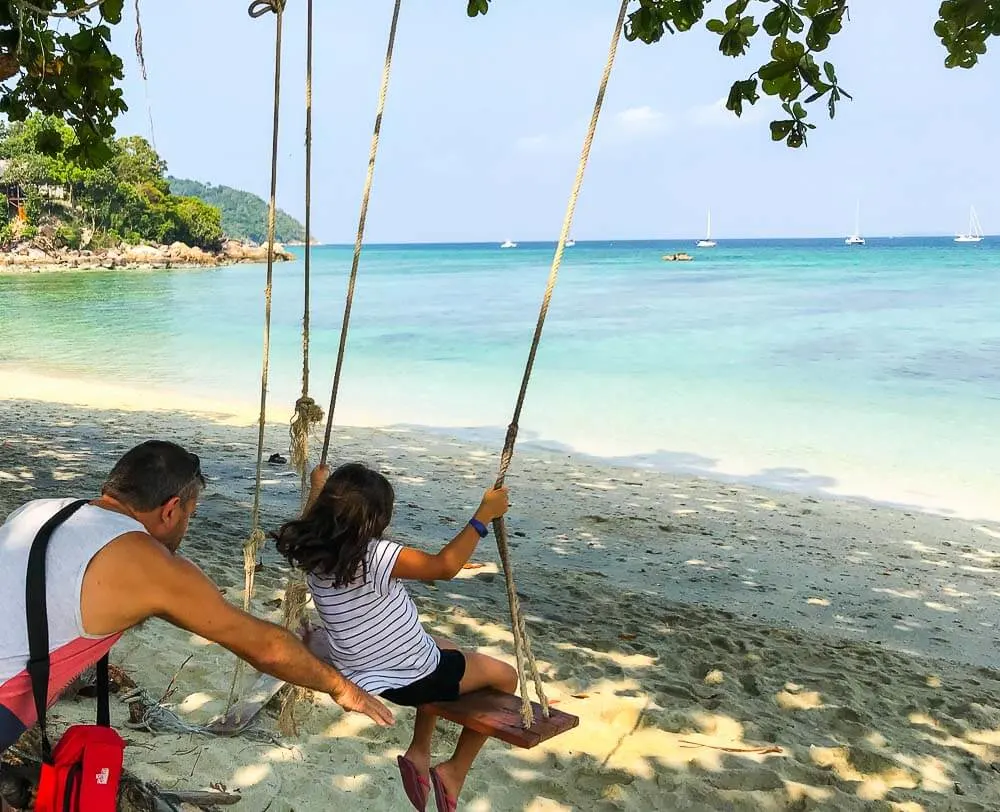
x=485, y=119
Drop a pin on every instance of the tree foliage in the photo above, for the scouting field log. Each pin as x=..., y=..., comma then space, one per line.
x=55, y=55
x=127, y=197
x=795, y=33
x=244, y=215
x=55, y=58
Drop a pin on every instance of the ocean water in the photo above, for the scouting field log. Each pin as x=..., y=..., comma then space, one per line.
x=804, y=364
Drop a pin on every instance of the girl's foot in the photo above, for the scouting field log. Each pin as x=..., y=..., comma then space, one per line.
x=416, y=786
x=446, y=788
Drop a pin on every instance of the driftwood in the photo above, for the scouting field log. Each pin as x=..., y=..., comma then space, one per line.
x=240, y=715
x=265, y=687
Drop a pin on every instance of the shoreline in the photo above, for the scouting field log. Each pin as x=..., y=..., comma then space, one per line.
x=30, y=259
x=864, y=489
x=16, y=384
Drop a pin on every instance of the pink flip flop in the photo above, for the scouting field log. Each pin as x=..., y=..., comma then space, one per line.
x=445, y=803
x=417, y=787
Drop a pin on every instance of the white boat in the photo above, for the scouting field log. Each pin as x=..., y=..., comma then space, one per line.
x=708, y=242
x=508, y=244
x=570, y=242
x=856, y=238
x=975, y=232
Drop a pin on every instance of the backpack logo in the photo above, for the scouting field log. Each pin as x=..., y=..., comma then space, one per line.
x=103, y=776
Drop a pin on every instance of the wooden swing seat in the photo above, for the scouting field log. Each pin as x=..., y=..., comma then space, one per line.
x=496, y=714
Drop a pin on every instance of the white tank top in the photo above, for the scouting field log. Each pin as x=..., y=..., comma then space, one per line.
x=72, y=547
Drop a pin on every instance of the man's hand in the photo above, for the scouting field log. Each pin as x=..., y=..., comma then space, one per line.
x=352, y=699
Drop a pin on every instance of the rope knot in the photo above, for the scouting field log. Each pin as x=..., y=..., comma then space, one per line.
x=258, y=8
x=307, y=414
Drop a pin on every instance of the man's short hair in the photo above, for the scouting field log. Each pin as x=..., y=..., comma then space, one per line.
x=152, y=474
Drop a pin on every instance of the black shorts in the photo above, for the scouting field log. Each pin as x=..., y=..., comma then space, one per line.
x=441, y=685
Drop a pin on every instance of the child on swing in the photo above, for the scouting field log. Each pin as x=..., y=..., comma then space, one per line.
x=373, y=633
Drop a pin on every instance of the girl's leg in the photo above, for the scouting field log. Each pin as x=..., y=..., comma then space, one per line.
x=419, y=751
x=481, y=671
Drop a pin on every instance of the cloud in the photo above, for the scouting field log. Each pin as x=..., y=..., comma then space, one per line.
x=632, y=124
x=716, y=115
x=641, y=122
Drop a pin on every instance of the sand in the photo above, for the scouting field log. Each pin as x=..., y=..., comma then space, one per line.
x=853, y=646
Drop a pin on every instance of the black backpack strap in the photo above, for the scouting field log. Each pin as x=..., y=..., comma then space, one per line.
x=38, y=619
x=103, y=693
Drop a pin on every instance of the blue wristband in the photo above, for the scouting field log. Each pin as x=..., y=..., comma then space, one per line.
x=479, y=527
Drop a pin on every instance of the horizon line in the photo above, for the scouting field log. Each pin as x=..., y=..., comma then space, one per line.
x=720, y=240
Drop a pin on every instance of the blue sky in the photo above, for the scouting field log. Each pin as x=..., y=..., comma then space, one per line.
x=485, y=119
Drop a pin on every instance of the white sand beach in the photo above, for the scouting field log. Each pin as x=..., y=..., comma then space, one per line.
x=725, y=646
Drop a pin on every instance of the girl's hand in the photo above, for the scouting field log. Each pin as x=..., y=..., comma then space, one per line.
x=320, y=474
x=495, y=504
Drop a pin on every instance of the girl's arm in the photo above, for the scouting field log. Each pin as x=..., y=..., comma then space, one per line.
x=415, y=565
x=317, y=479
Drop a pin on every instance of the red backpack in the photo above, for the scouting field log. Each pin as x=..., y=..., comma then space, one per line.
x=82, y=772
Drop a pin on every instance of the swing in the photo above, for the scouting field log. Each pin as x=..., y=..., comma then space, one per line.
x=515, y=720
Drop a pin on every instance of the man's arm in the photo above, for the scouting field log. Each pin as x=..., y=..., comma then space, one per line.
x=135, y=578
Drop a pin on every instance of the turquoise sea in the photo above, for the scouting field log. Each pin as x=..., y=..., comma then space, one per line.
x=806, y=364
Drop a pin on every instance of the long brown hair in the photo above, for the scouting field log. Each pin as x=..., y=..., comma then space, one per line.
x=331, y=539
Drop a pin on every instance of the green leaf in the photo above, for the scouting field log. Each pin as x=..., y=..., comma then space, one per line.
x=740, y=92
x=776, y=21
x=81, y=42
x=477, y=7
x=733, y=43
x=716, y=26
x=781, y=129
x=111, y=10
x=49, y=141
x=736, y=8
x=774, y=70
x=786, y=50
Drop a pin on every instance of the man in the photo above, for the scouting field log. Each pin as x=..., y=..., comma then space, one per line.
x=114, y=564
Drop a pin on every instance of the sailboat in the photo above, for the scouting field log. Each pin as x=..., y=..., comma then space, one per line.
x=856, y=238
x=975, y=232
x=508, y=244
x=708, y=242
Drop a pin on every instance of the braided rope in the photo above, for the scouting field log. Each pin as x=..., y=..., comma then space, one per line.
x=307, y=413
x=522, y=645
x=253, y=544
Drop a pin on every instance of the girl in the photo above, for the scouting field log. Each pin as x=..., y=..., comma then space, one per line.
x=373, y=633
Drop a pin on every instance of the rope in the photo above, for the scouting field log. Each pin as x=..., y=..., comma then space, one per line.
x=253, y=544
x=141, y=57
x=154, y=717
x=307, y=412
x=522, y=645
x=359, y=238
x=293, y=609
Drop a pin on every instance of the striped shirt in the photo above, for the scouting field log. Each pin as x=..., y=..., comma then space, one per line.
x=373, y=630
